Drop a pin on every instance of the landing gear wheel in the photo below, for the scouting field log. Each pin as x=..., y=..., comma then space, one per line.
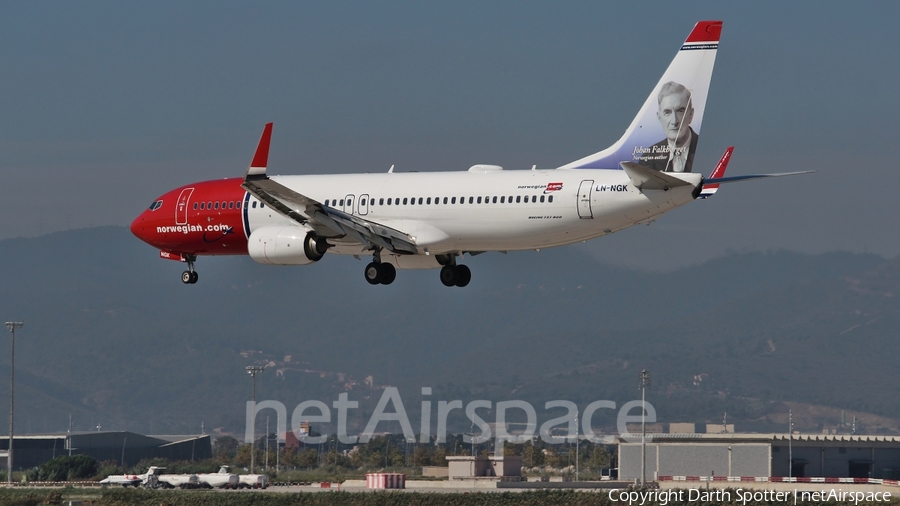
x=189, y=277
x=388, y=273
x=463, y=275
x=448, y=275
x=373, y=273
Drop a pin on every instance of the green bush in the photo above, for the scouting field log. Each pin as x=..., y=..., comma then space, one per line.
x=65, y=468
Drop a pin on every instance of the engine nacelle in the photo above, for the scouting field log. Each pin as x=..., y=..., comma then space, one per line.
x=285, y=245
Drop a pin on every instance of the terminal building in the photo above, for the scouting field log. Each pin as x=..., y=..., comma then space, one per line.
x=33, y=450
x=761, y=455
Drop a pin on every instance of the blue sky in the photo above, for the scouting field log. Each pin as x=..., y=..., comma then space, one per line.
x=106, y=105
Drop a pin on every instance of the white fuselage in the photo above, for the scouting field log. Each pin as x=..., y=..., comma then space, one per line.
x=492, y=210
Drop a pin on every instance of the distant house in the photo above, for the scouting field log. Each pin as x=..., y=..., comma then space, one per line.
x=35, y=449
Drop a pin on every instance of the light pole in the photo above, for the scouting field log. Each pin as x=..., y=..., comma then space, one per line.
x=12, y=326
x=577, y=440
x=644, y=385
x=253, y=370
x=790, y=443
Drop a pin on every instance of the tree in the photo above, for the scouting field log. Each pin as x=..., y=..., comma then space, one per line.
x=308, y=458
x=439, y=457
x=598, y=458
x=226, y=447
x=65, y=468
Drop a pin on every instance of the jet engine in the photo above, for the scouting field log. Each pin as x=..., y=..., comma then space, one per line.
x=285, y=245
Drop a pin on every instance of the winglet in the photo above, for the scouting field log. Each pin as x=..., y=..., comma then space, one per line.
x=710, y=189
x=261, y=158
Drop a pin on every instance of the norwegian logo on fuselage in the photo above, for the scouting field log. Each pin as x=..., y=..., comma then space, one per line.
x=553, y=187
x=612, y=188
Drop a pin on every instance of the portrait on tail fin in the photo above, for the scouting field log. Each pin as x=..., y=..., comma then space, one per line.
x=675, y=153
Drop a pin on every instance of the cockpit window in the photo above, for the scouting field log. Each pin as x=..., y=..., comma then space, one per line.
x=156, y=205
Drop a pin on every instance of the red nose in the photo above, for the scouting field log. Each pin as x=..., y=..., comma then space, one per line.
x=138, y=227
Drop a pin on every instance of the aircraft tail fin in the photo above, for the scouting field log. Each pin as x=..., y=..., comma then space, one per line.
x=664, y=134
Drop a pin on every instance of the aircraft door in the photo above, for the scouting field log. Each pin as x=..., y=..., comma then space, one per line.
x=363, y=204
x=181, y=206
x=348, y=204
x=584, y=199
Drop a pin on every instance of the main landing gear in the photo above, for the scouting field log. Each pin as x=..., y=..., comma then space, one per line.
x=378, y=273
x=190, y=276
x=455, y=275
x=384, y=273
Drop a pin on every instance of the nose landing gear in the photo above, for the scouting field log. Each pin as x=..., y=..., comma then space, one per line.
x=190, y=276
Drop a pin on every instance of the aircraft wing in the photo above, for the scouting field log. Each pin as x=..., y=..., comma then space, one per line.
x=307, y=211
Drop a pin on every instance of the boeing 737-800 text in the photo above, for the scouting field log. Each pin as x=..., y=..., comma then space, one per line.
x=431, y=219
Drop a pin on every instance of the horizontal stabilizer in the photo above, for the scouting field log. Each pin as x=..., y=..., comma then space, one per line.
x=645, y=178
x=732, y=179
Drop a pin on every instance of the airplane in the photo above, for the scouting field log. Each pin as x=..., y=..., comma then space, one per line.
x=431, y=220
x=126, y=480
x=224, y=478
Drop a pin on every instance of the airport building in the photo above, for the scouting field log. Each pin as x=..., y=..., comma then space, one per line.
x=761, y=455
x=33, y=450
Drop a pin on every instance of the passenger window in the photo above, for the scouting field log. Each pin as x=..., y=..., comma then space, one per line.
x=428, y=201
x=420, y=201
x=510, y=199
x=494, y=200
x=518, y=199
x=479, y=200
x=224, y=204
x=404, y=201
x=231, y=205
x=217, y=205
x=471, y=199
x=195, y=206
x=550, y=198
x=342, y=202
x=254, y=204
x=542, y=199
x=262, y=205
x=453, y=200
x=389, y=201
x=381, y=202
x=445, y=200
x=412, y=201
x=502, y=200
x=533, y=199
x=237, y=205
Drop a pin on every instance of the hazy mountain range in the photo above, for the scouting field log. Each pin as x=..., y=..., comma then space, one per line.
x=114, y=338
